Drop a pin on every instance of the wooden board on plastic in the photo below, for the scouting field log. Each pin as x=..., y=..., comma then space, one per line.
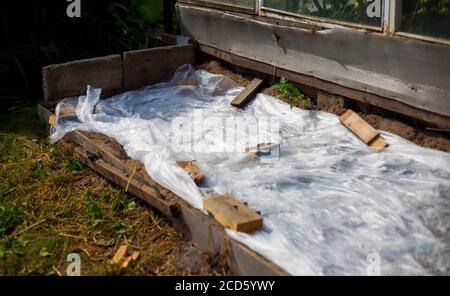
x=231, y=213
x=369, y=135
x=241, y=99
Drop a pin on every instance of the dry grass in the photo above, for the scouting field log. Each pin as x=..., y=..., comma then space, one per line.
x=51, y=205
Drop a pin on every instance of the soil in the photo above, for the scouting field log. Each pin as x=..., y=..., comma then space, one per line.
x=420, y=136
x=57, y=206
x=218, y=68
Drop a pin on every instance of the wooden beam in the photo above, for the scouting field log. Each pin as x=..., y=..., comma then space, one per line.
x=248, y=93
x=358, y=126
x=71, y=79
x=332, y=88
x=231, y=213
x=220, y=6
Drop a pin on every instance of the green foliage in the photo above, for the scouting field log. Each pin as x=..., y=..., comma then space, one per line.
x=122, y=201
x=11, y=215
x=92, y=208
x=427, y=17
x=39, y=33
x=288, y=92
x=38, y=171
x=74, y=165
x=151, y=10
x=343, y=10
x=5, y=190
x=10, y=148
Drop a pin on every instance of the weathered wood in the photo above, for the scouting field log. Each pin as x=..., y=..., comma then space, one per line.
x=72, y=78
x=193, y=170
x=248, y=93
x=118, y=177
x=379, y=143
x=192, y=223
x=153, y=42
x=231, y=213
x=148, y=66
x=222, y=6
x=330, y=87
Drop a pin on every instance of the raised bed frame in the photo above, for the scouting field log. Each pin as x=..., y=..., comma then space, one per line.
x=134, y=69
x=116, y=74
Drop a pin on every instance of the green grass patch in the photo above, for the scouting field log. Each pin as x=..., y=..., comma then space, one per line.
x=92, y=208
x=122, y=201
x=38, y=171
x=288, y=92
x=10, y=148
x=11, y=215
x=74, y=165
x=5, y=190
x=32, y=254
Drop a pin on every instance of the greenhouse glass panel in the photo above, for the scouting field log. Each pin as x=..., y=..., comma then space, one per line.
x=366, y=12
x=237, y=3
x=426, y=17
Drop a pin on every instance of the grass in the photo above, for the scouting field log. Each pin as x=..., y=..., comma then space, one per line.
x=52, y=205
x=289, y=93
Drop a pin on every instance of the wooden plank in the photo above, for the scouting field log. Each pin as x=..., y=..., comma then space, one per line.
x=231, y=213
x=359, y=126
x=221, y=6
x=379, y=143
x=192, y=223
x=148, y=66
x=71, y=79
x=193, y=170
x=118, y=177
x=330, y=87
x=363, y=130
x=248, y=93
x=153, y=42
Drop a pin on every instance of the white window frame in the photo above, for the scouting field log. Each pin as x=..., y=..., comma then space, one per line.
x=390, y=18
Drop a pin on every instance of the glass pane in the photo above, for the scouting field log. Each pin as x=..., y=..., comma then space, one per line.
x=367, y=12
x=240, y=3
x=427, y=17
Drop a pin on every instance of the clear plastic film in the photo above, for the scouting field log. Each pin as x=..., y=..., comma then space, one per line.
x=331, y=205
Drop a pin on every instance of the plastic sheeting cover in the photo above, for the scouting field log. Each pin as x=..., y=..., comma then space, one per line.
x=331, y=206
